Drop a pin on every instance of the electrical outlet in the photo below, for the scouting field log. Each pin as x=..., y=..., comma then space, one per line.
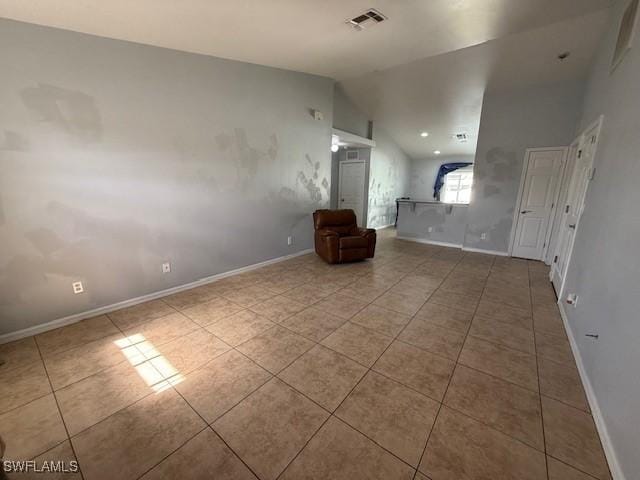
x=483, y=236
x=572, y=299
x=77, y=287
x=289, y=240
x=166, y=267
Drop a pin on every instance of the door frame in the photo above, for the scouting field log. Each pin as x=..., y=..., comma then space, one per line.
x=564, y=187
x=360, y=215
x=597, y=124
x=516, y=210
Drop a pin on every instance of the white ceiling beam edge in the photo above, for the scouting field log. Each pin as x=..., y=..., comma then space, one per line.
x=353, y=140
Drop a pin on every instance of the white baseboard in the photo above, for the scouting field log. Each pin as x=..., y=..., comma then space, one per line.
x=384, y=226
x=454, y=245
x=607, y=446
x=76, y=317
x=488, y=252
x=430, y=242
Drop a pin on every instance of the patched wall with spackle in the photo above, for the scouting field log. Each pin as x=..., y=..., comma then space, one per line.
x=605, y=268
x=511, y=122
x=423, y=173
x=388, y=179
x=116, y=157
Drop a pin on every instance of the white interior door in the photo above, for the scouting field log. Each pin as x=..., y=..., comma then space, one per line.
x=539, y=194
x=351, y=188
x=574, y=205
x=557, y=215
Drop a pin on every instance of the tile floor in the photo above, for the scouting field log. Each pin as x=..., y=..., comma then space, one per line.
x=425, y=363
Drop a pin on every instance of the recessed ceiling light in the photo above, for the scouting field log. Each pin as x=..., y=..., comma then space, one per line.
x=424, y=134
x=437, y=152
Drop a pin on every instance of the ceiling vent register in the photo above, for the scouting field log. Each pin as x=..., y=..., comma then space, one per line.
x=367, y=19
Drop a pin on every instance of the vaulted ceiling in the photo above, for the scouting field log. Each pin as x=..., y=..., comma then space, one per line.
x=403, y=60
x=442, y=95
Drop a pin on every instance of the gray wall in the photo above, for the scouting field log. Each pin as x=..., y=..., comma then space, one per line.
x=511, y=122
x=388, y=179
x=346, y=116
x=116, y=157
x=605, y=268
x=423, y=174
x=447, y=222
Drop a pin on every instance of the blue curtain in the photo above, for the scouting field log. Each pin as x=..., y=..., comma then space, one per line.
x=444, y=169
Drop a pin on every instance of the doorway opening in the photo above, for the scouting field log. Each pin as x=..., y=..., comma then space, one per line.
x=350, y=174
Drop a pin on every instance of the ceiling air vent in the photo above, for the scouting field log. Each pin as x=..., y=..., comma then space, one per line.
x=461, y=137
x=368, y=18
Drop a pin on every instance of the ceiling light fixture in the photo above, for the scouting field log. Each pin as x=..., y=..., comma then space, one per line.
x=436, y=152
x=424, y=134
x=335, y=143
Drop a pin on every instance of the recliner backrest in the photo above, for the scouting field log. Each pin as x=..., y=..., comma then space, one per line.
x=341, y=221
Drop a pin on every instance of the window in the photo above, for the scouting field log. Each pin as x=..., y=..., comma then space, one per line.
x=457, y=185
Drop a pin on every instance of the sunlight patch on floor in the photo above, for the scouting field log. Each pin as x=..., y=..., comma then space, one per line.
x=151, y=365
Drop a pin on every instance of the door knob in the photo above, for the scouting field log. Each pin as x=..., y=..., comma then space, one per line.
x=572, y=226
x=526, y=211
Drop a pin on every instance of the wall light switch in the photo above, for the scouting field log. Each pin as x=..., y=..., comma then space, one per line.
x=483, y=236
x=166, y=267
x=317, y=114
x=289, y=240
x=77, y=287
x=430, y=229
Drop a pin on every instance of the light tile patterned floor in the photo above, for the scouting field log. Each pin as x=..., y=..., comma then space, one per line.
x=426, y=363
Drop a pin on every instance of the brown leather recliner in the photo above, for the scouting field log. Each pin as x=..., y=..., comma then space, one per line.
x=339, y=239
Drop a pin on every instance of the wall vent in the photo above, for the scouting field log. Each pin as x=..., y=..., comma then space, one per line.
x=366, y=19
x=352, y=155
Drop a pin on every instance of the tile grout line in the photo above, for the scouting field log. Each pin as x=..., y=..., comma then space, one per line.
x=119, y=328
x=535, y=346
x=444, y=395
x=440, y=402
x=59, y=413
x=200, y=327
x=369, y=369
x=172, y=452
x=547, y=454
x=331, y=414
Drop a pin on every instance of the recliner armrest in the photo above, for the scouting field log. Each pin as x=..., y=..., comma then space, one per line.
x=366, y=231
x=325, y=232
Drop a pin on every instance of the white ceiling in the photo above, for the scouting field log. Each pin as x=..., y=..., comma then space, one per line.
x=413, y=72
x=303, y=35
x=443, y=94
